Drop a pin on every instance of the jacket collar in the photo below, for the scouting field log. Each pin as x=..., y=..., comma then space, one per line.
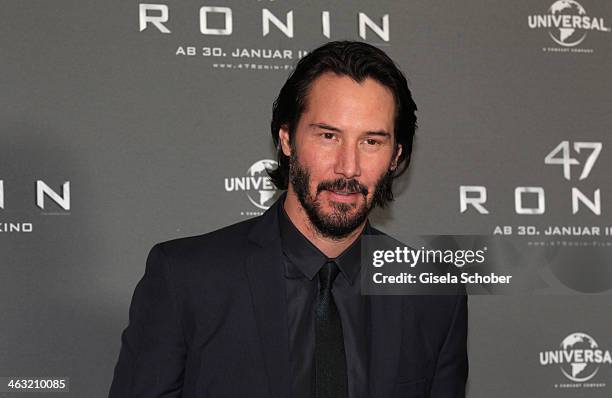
x=265, y=229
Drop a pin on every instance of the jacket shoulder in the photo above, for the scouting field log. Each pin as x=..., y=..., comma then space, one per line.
x=210, y=242
x=218, y=253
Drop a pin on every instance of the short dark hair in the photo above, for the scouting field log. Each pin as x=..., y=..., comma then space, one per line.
x=359, y=61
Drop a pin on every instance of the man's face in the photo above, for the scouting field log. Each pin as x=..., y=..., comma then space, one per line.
x=342, y=151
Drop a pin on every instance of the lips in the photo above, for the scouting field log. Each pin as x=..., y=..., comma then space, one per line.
x=344, y=196
x=345, y=192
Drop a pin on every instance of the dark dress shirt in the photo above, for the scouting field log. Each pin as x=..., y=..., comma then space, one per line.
x=302, y=263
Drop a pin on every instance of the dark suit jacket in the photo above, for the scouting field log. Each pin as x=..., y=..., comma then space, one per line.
x=209, y=320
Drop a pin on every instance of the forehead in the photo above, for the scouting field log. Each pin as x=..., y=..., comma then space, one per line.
x=341, y=101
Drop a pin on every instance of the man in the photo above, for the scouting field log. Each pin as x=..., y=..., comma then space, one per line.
x=271, y=307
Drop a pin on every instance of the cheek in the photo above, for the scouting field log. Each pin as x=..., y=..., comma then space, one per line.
x=320, y=167
x=372, y=176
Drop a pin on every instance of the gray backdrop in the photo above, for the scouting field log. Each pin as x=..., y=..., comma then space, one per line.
x=151, y=139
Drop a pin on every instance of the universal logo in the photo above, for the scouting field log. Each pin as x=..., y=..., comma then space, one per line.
x=579, y=359
x=256, y=185
x=567, y=24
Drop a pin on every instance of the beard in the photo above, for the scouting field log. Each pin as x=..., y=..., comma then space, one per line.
x=344, y=218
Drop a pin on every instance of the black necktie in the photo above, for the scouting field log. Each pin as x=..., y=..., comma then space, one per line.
x=330, y=360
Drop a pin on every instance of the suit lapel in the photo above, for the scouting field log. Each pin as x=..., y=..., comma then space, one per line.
x=264, y=269
x=385, y=337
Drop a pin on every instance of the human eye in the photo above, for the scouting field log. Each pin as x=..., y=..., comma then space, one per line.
x=372, y=144
x=327, y=135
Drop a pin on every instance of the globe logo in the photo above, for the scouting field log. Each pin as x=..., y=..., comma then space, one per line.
x=579, y=371
x=579, y=357
x=261, y=192
x=567, y=36
x=256, y=185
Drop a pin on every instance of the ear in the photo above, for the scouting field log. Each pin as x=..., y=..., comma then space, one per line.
x=283, y=137
x=396, y=158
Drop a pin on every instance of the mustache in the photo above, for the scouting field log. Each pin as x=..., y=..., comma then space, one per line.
x=341, y=184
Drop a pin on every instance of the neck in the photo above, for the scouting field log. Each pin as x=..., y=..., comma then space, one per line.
x=329, y=246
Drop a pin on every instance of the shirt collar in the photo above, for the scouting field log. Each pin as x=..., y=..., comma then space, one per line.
x=308, y=258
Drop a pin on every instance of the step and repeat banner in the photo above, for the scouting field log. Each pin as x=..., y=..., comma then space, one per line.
x=123, y=124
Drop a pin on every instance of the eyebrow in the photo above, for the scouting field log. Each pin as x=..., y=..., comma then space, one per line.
x=326, y=126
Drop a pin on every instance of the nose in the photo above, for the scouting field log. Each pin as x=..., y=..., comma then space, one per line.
x=347, y=161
